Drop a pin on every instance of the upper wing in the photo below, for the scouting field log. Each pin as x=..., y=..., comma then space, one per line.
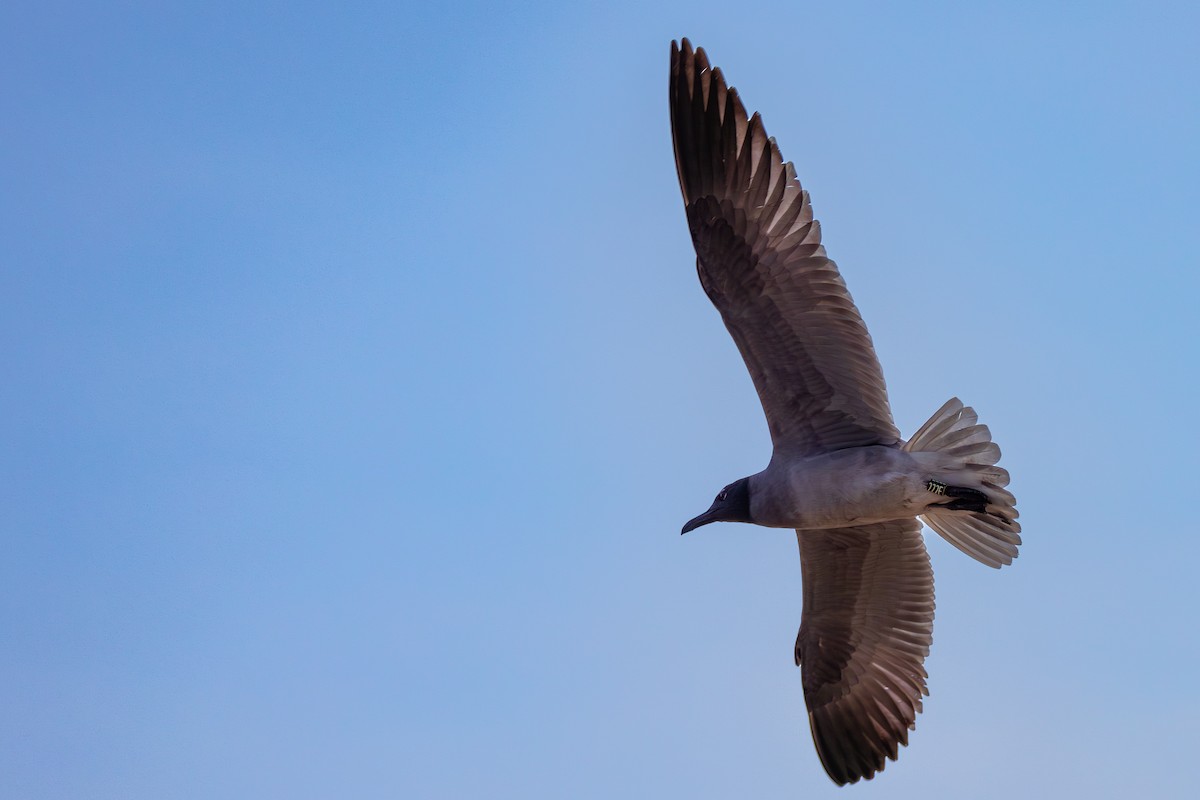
x=762, y=264
x=864, y=634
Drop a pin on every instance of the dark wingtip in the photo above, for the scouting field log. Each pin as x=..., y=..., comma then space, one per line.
x=682, y=52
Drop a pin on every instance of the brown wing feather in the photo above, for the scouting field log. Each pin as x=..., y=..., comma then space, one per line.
x=864, y=634
x=761, y=262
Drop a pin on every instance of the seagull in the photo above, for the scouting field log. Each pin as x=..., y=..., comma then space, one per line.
x=840, y=475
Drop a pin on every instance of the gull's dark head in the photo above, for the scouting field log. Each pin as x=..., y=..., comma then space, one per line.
x=731, y=505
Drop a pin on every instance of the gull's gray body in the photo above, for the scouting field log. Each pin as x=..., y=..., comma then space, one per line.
x=856, y=486
x=839, y=473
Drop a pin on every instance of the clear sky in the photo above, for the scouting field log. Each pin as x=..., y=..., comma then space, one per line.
x=355, y=382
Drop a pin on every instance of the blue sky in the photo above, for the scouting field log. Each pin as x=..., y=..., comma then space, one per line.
x=357, y=382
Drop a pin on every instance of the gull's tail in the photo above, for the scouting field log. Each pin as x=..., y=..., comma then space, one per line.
x=972, y=511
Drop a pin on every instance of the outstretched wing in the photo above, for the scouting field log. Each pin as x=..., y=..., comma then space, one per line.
x=864, y=634
x=761, y=261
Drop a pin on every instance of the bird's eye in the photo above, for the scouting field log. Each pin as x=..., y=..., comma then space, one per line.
x=721, y=497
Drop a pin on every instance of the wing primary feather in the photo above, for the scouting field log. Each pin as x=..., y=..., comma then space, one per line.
x=865, y=632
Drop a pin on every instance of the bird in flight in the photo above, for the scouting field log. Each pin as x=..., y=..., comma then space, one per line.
x=839, y=474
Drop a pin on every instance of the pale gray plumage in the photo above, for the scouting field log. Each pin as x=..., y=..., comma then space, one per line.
x=839, y=473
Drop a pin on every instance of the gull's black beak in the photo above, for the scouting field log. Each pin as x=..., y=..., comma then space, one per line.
x=712, y=515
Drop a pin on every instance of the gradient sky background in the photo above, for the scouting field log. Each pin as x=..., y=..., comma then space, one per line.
x=356, y=381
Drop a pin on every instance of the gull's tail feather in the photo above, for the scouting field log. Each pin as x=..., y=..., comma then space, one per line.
x=973, y=509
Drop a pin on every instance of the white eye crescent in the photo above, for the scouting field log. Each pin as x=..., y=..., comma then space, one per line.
x=721, y=497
